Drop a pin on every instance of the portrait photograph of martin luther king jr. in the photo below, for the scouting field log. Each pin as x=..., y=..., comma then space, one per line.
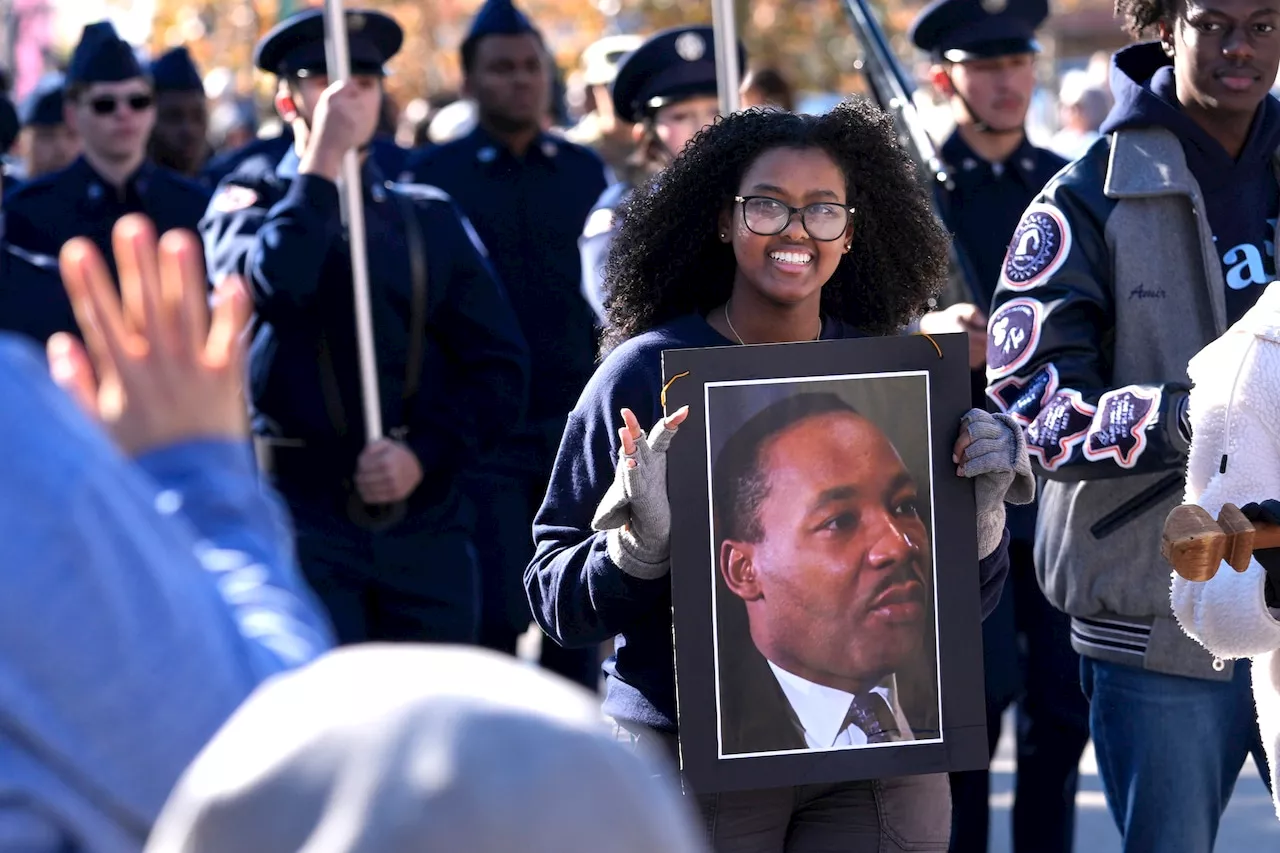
x=825, y=610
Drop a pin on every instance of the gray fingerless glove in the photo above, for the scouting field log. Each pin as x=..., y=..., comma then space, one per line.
x=998, y=463
x=635, y=512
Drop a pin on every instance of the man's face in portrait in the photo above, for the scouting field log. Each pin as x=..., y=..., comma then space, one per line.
x=831, y=559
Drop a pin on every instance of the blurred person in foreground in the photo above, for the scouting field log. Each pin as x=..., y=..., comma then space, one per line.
x=407, y=749
x=151, y=583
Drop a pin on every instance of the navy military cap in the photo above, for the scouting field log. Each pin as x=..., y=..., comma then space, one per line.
x=103, y=57
x=670, y=66
x=960, y=30
x=497, y=18
x=43, y=105
x=175, y=72
x=296, y=44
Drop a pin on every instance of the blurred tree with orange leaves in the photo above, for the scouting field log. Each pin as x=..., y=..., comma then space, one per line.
x=808, y=40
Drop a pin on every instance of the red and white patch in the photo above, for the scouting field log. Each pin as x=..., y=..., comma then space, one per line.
x=1039, y=247
x=233, y=198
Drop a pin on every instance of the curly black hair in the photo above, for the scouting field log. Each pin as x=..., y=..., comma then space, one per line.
x=1141, y=15
x=666, y=260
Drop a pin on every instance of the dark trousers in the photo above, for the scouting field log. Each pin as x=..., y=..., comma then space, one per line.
x=505, y=504
x=1052, y=715
x=403, y=584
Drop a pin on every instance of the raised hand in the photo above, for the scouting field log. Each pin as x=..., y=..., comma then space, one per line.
x=155, y=369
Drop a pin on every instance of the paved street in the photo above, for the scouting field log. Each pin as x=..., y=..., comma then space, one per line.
x=1250, y=824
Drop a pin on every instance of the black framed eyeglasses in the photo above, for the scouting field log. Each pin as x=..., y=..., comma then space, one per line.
x=824, y=220
x=105, y=105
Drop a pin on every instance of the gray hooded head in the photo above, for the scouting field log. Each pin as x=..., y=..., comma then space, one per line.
x=391, y=749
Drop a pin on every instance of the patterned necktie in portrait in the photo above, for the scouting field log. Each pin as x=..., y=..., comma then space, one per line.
x=870, y=713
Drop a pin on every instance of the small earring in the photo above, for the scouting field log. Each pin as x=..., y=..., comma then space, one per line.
x=1168, y=48
x=723, y=236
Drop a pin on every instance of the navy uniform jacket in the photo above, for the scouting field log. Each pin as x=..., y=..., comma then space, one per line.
x=282, y=231
x=32, y=299
x=390, y=157
x=530, y=214
x=983, y=209
x=597, y=237
x=76, y=202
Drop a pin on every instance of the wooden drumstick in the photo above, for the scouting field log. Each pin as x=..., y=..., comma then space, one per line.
x=1195, y=544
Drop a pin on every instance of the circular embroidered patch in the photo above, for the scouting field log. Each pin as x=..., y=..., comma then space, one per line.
x=1039, y=247
x=1012, y=336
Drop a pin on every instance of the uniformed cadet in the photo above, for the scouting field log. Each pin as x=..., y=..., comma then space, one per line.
x=984, y=63
x=452, y=365
x=48, y=142
x=666, y=89
x=601, y=129
x=528, y=193
x=111, y=106
x=180, y=138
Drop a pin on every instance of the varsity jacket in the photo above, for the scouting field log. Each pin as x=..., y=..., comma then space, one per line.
x=1110, y=286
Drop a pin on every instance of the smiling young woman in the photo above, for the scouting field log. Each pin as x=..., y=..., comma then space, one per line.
x=771, y=227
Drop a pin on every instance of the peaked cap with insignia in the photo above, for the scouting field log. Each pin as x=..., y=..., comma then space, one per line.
x=962, y=30
x=103, y=57
x=175, y=72
x=670, y=66
x=295, y=46
x=497, y=18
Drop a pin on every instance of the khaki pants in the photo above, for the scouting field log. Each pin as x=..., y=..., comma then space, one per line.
x=910, y=814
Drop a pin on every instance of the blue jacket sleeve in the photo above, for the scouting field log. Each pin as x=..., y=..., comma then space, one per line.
x=993, y=570
x=243, y=529
x=489, y=360
x=1049, y=344
x=579, y=597
x=151, y=606
x=279, y=249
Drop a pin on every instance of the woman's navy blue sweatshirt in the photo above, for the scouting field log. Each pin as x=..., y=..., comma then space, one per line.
x=579, y=597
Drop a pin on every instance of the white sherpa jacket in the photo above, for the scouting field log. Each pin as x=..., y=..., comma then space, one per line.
x=1235, y=410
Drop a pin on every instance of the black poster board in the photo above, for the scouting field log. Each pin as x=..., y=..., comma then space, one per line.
x=842, y=552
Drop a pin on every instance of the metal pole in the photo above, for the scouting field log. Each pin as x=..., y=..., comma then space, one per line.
x=728, y=74
x=338, y=57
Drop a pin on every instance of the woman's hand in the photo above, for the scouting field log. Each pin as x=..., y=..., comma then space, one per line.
x=992, y=451
x=634, y=512
x=157, y=370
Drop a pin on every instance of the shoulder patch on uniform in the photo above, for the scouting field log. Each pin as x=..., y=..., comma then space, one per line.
x=1013, y=333
x=599, y=222
x=421, y=192
x=233, y=197
x=1040, y=245
x=1119, y=429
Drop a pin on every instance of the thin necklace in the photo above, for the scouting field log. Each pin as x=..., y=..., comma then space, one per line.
x=739, y=337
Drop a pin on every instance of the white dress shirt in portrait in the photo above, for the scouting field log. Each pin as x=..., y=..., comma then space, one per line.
x=821, y=711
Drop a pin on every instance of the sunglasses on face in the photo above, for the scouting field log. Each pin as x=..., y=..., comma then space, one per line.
x=105, y=105
x=768, y=216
